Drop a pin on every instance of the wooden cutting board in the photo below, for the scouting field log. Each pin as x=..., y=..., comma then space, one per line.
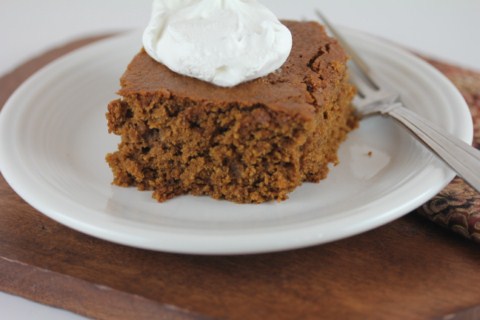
x=408, y=269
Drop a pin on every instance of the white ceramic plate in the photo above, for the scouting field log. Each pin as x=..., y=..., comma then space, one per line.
x=53, y=140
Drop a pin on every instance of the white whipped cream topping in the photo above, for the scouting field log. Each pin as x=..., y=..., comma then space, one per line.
x=225, y=42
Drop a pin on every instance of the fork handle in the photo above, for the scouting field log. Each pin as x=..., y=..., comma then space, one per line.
x=461, y=157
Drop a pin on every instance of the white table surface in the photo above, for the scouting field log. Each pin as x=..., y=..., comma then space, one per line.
x=445, y=29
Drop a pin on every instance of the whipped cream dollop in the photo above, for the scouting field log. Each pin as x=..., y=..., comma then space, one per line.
x=225, y=42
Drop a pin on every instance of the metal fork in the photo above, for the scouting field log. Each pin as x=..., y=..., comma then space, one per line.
x=373, y=99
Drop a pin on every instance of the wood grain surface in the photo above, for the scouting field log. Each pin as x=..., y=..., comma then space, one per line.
x=408, y=269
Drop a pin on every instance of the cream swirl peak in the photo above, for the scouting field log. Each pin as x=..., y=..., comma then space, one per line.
x=225, y=42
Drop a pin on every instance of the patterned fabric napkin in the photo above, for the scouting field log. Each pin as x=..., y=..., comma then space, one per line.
x=457, y=207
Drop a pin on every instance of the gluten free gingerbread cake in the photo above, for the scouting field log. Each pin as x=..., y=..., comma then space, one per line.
x=251, y=143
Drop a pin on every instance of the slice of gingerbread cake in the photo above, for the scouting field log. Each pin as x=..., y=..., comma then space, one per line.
x=250, y=143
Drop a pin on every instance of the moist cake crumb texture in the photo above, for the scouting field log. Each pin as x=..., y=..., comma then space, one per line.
x=252, y=143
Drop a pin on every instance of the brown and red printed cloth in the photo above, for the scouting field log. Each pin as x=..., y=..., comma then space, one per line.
x=457, y=207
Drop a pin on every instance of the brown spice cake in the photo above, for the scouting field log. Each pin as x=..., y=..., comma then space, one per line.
x=251, y=143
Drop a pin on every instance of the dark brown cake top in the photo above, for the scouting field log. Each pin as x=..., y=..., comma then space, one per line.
x=314, y=59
